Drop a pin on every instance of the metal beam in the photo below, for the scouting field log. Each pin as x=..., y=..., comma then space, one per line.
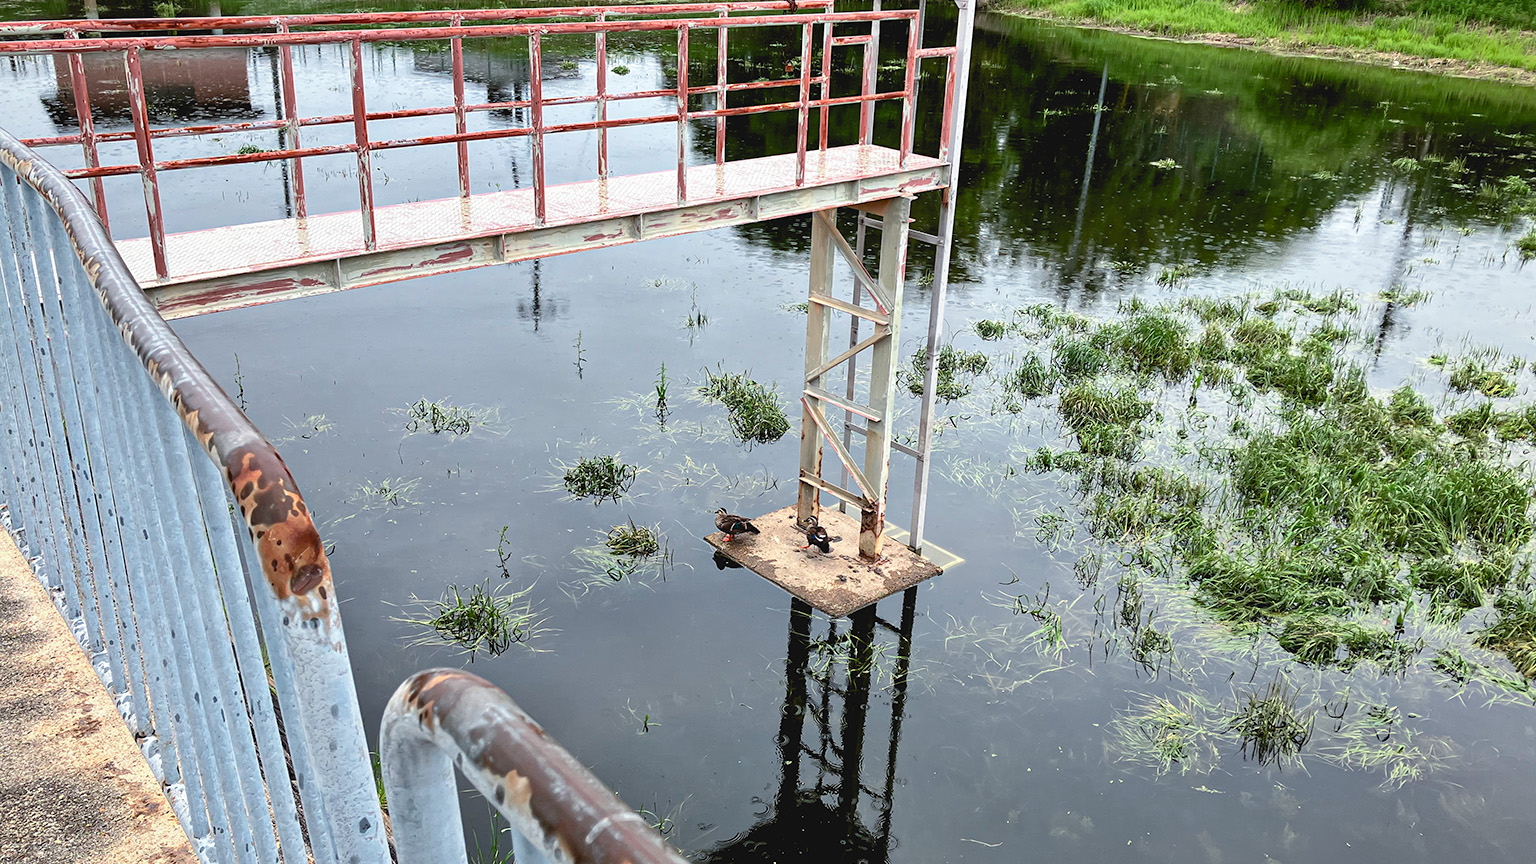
x=186, y=296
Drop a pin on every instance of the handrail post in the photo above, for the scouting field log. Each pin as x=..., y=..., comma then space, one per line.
x=146, y=150
x=364, y=151
x=442, y=718
x=536, y=118
x=682, y=114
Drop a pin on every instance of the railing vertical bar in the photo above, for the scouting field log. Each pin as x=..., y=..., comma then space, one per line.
x=83, y=313
x=206, y=622
x=140, y=112
x=682, y=114
x=148, y=554
x=909, y=94
x=826, y=83
x=177, y=591
x=126, y=478
x=272, y=621
x=364, y=151
x=602, y=99
x=219, y=515
x=721, y=37
x=871, y=68
x=291, y=114
x=803, y=114
x=24, y=496
x=54, y=545
x=460, y=121
x=536, y=115
x=90, y=551
x=81, y=85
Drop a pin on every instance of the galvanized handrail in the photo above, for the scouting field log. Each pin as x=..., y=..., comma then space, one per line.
x=134, y=530
x=446, y=718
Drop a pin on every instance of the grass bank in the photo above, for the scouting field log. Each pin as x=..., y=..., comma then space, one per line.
x=1481, y=38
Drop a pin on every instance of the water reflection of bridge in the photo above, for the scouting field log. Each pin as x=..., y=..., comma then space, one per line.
x=824, y=810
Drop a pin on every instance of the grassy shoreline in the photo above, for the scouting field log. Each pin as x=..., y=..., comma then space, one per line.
x=1475, y=42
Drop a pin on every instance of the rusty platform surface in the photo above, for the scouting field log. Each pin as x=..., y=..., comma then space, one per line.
x=837, y=583
x=245, y=265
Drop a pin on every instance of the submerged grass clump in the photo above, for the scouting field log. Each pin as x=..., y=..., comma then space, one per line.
x=1031, y=378
x=633, y=541
x=485, y=618
x=955, y=368
x=755, y=413
x=1471, y=375
x=1513, y=630
x=1271, y=728
x=600, y=477
x=441, y=417
x=991, y=331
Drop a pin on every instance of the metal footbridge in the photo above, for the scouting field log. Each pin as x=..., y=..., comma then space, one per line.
x=121, y=460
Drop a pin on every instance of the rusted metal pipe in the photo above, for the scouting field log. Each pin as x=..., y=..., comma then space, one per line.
x=442, y=719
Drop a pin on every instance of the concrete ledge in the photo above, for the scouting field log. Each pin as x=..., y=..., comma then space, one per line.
x=73, y=785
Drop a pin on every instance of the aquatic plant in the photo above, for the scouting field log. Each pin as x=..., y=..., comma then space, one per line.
x=755, y=413
x=990, y=330
x=1470, y=375
x=634, y=541
x=953, y=363
x=1526, y=245
x=1031, y=378
x=1271, y=728
x=484, y=618
x=1100, y=402
x=441, y=417
x=1077, y=358
x=600, y=477
x=1513, y=630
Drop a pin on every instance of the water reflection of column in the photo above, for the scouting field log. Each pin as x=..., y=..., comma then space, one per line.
x=1093, y=145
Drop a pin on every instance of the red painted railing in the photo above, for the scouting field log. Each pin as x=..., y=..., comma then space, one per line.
x=72, y=39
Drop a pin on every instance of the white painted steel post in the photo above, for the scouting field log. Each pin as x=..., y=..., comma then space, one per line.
x=817, y=343
x=963, y=33
x=882, y=375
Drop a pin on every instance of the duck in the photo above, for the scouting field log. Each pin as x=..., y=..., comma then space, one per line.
x=731, y=525
x=816, y=535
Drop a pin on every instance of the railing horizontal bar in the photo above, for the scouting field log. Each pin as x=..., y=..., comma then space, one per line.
x=342, y=18
x=940, y=51
x=417, y=34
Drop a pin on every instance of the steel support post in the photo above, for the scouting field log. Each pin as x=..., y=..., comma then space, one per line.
x=817, y=344
x=946, y=233
x=882, y=375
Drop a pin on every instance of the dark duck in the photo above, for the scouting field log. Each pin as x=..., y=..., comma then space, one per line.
x=731, y=525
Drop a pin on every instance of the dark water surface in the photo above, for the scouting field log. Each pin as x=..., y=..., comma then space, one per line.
x=673, y=685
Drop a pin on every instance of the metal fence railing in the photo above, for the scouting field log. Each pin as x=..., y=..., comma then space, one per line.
x=441, y=719
x=176, y=544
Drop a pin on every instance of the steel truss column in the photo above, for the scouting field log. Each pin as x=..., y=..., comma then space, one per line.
x=870, y=477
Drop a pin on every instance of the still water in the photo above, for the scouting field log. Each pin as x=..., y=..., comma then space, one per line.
x=692, y=690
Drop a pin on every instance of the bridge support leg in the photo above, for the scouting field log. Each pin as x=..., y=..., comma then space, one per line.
x=870, y=475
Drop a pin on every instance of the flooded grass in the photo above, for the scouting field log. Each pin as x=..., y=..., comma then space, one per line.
x=1316, y=509
x=602, y=478
x=755, y=413
x=1271, y=728
x=633, y=541
x=442, y=417
x=487, y=618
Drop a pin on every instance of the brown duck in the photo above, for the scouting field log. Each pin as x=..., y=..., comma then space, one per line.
x=731, y=525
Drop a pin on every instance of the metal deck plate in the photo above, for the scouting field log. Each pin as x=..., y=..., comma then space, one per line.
x=837, y=583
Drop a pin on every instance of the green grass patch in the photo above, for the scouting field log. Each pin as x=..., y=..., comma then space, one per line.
x=1472, y=375
x=755, y=413
x=603, y=478
x=487, y=618
x=1489, y=31
x=955, y=369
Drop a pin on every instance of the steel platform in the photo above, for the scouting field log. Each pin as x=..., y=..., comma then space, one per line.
x=838, y=583
x=263, y=262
